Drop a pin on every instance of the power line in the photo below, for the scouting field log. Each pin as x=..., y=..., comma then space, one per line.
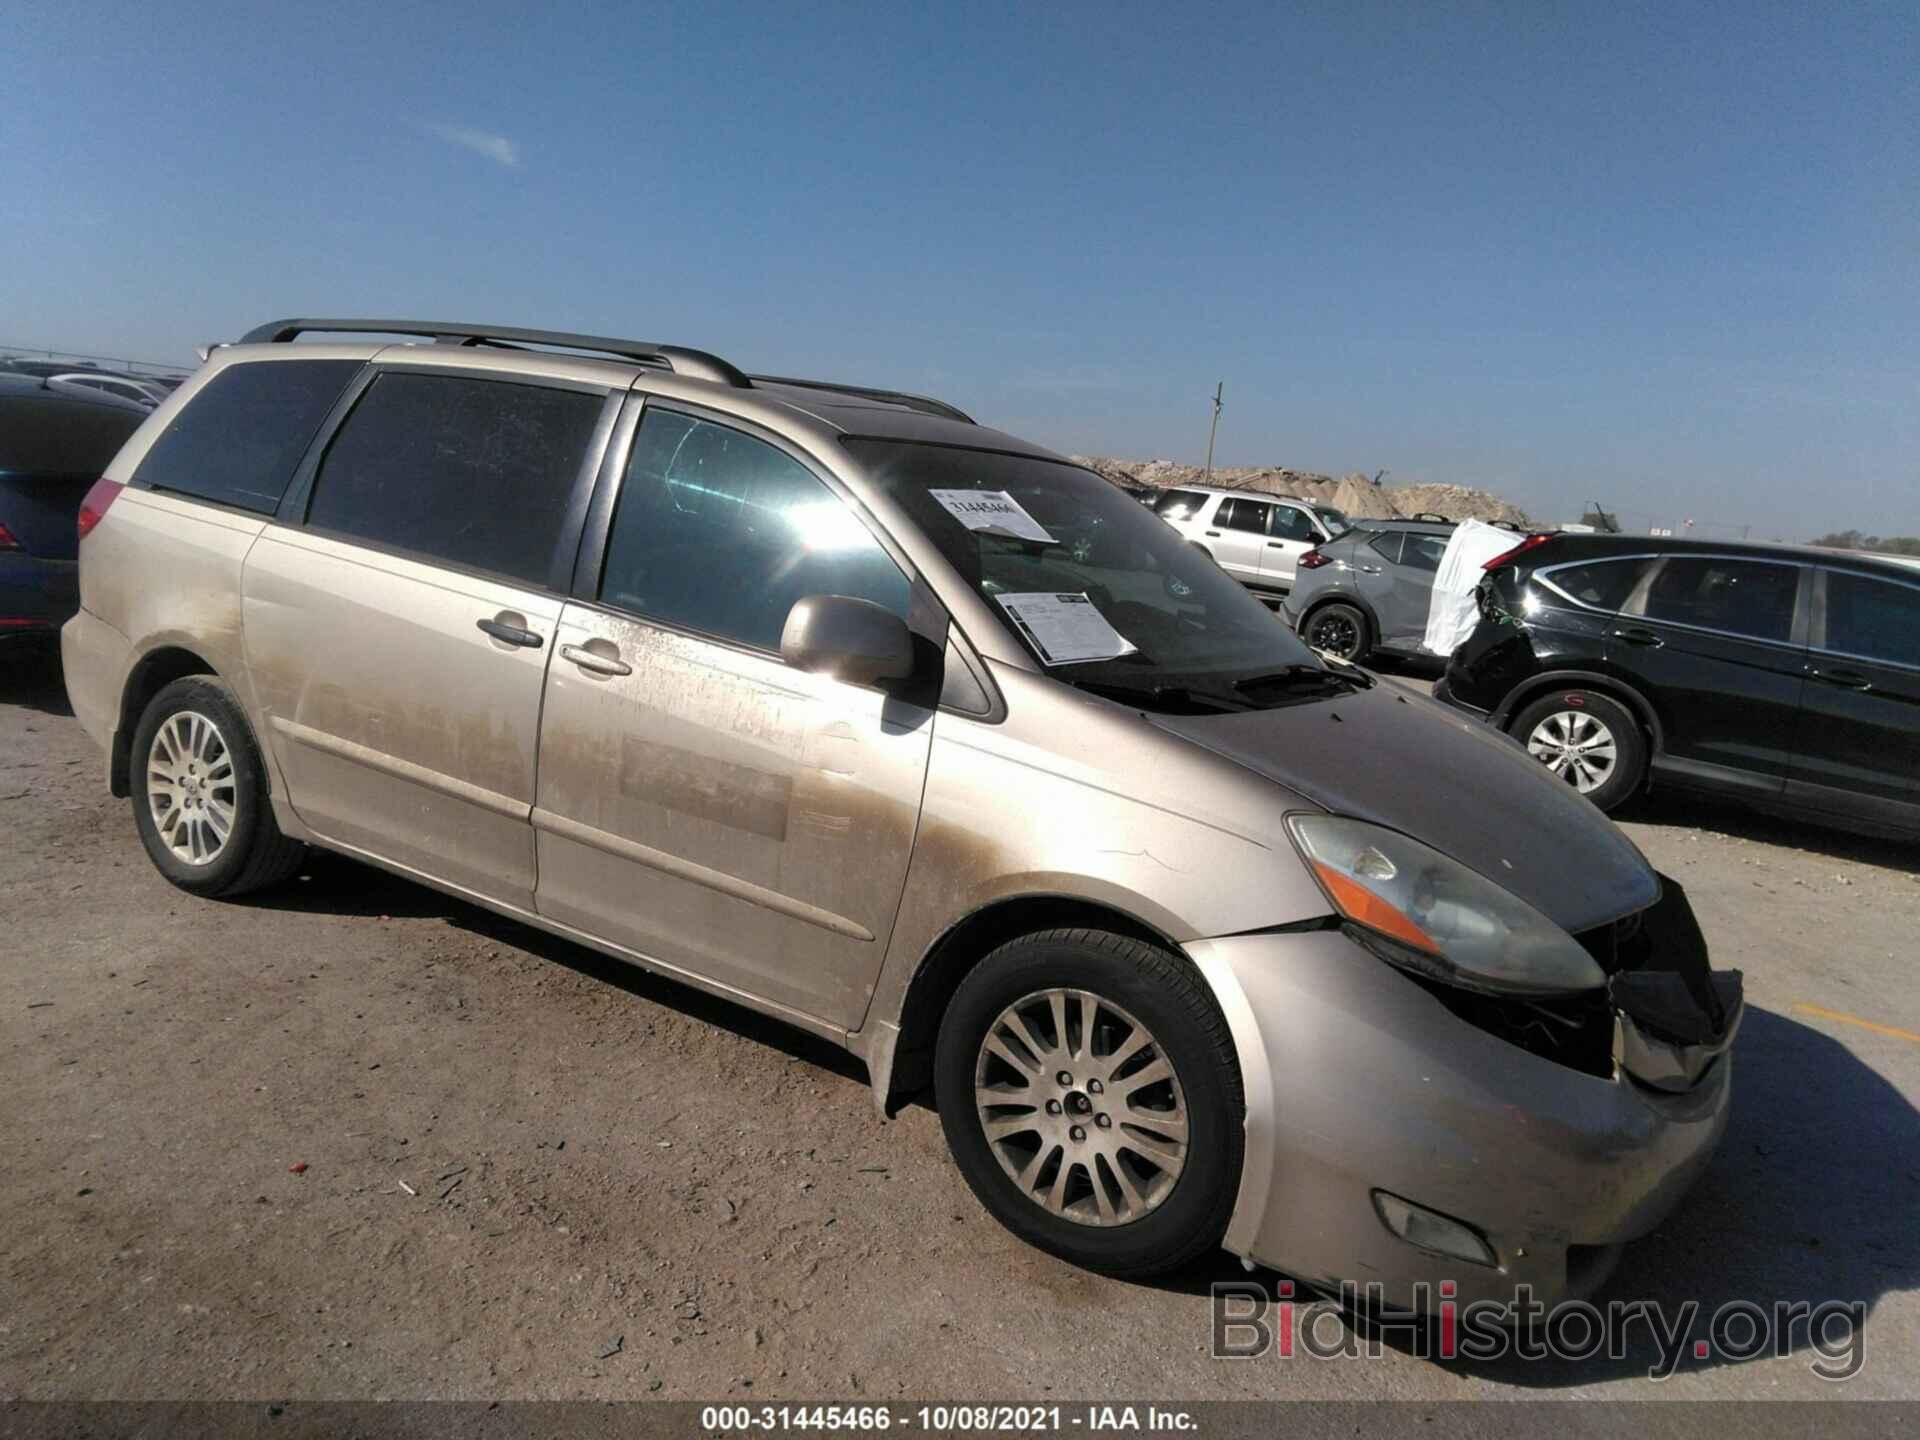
x=55, y=353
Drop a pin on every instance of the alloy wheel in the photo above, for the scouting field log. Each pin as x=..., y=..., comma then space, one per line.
x=1336, y=634
x=190, y=787
x=1577, y=747
x=1082, y=1107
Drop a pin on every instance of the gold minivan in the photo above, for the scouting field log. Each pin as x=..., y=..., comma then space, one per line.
x=921, y=738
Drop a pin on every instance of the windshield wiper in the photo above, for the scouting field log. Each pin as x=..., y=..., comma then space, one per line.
x=1174, y=699
x=1305, y=677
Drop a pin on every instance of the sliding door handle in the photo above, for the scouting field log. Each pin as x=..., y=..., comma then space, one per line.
x=596, y=662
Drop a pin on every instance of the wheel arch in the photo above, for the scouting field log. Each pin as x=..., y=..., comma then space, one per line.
x=151, y=673
x=901, y=1063
x=1612, y=686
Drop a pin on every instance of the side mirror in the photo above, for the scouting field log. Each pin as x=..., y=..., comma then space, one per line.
x=853, y=640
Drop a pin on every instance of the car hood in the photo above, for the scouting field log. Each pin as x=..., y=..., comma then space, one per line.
x=1408, y=763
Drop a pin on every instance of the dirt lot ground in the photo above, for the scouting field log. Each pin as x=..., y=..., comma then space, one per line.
x=534, y=1172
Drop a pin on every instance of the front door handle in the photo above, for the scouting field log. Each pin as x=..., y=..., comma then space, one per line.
x=592, y=660
x=1845, y=679
x=1640, y=637
x=1214, y=534
x=502, y=628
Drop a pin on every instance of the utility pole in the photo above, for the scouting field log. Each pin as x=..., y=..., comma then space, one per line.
x=1215, y=430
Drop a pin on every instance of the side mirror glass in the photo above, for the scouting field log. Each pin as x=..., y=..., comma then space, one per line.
x=852, y=640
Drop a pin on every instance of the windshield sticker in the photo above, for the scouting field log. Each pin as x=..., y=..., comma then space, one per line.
x=1065, y=629
x=991, y=512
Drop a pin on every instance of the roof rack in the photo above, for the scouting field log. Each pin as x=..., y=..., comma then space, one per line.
x=694, y=364
x=925, y=404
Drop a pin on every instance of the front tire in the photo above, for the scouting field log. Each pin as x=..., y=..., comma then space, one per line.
x=200, y=793
x=1589, y=740
x=1091, y=1097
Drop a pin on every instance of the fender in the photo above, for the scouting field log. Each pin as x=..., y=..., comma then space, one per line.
x=1527, y=689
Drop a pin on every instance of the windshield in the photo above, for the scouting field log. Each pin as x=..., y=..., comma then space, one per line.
x=1335, y=521
x=1160, y=623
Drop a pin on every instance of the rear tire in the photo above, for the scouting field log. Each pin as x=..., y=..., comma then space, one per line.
x=1590, y=740
x=200, y=793
x=1165, y=1155
x=1339, y=629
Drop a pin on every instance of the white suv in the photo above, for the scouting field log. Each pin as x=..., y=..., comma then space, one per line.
x=1254, y=537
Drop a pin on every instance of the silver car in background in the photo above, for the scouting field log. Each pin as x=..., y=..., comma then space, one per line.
x=918, y=737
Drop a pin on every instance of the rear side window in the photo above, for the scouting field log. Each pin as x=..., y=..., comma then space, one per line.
x=1873, y=619
x=1387, y=542
x=476, y=473
x=1602, y=584
x=1179, y=504
x=1423, y=552
x=718, y=532
x=1741, y=597
x=238, y=441
x=1248, y=515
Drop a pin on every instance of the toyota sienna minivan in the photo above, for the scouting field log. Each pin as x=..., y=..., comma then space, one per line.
x=916, y=736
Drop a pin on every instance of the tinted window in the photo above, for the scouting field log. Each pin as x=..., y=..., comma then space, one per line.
x=474, y=472
x=1423, y=552
x=1603, y=584
x=1877, y=619
x=1179, y=504
x=722, y=533
x=1743, y=597
x=239, y=439
x=1387, y=542
x=1250, y=515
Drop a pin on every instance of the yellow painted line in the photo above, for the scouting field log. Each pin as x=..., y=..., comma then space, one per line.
x=1845, y=1019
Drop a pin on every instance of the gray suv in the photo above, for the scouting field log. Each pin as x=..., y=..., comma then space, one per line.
x=1368, y=590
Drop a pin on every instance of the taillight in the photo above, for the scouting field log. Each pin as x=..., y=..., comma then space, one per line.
x=7, y=542
x=94, y=508
x=1313, y=560
x=1507, y=557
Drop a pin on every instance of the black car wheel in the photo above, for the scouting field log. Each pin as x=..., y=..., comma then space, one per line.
x=1339, y=630
x=1589, y=740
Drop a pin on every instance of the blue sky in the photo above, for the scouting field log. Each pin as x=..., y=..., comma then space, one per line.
x=1665, y=254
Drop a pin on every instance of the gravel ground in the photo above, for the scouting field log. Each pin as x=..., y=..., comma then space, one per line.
x=353, y=1139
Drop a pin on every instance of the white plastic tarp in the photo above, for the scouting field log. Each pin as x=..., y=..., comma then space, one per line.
x=1452, y=614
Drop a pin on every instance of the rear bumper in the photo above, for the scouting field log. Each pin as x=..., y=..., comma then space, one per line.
x=1444, y=694
x=1358, y=1080
x=94, y=658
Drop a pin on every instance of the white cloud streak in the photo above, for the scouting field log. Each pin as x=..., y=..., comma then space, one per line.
x=497, y=148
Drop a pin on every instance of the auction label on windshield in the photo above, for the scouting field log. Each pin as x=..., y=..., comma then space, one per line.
x=994, y=512
x=1065, y=629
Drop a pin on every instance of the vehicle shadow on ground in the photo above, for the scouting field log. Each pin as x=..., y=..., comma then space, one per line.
x=31, y=679
x=331, y=884
x=1808, y=1199
x=1683, y=810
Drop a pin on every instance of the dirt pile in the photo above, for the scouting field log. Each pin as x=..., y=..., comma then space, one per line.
x=1354, y=494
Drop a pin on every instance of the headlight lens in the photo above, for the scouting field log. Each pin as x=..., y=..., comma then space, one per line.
x=1456, y=924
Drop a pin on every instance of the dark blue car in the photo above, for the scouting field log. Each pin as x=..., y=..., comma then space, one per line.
x=53, y=446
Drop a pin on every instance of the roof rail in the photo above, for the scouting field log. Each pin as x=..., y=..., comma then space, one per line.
x=925, y=404
x=694, y=364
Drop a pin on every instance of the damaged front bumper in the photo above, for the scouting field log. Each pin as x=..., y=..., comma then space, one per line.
x=1363, y=1082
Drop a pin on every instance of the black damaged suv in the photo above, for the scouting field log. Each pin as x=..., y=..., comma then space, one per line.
x=1785, y=675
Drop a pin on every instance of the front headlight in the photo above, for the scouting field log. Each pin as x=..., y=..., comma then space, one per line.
x=1443, y=919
